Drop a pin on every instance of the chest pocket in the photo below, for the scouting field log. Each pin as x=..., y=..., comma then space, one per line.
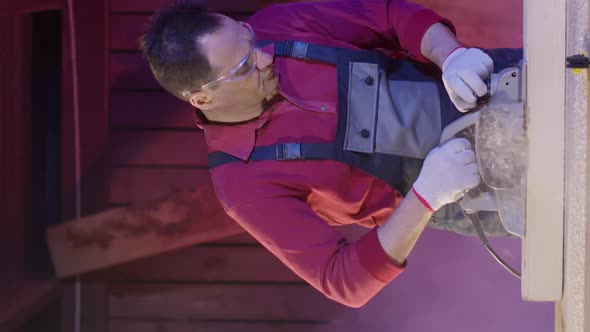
x=390, y=116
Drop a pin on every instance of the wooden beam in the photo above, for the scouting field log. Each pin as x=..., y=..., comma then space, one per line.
x=124, y=234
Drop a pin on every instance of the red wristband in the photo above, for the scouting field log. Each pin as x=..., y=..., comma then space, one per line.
x=422, y=200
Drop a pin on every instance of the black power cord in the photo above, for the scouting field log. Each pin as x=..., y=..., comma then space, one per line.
x=474, y=218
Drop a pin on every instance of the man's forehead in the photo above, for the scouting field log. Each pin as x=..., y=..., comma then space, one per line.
x=225, y=46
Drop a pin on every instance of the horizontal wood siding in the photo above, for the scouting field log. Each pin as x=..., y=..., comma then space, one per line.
x=220, y=262
x=145, y=184
x=150, y=148
x=250, y=302
x=152, y=110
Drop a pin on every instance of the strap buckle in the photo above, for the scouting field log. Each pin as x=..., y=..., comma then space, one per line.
x=288, y=151
x=298, y=49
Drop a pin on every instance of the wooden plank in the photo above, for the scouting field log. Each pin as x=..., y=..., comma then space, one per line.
x=120, y=325
x=93, y=307
x=143, y=109
x=224, y=6
x=23, y=299
x=232, y=264
x=121, y=235
x=132, y=185
x=159, y=148
x=223, y=302
x=542, y=268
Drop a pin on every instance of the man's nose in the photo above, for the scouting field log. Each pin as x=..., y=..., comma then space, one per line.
x=263, y=59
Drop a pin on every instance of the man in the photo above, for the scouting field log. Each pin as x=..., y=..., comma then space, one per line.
x=314, y=128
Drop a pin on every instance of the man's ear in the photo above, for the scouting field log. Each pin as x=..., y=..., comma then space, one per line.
x=202, y=100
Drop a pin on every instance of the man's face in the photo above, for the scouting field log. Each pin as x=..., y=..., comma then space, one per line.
x=247, y=74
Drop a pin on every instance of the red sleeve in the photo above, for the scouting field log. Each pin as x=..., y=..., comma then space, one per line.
x=349, y=273
x=366, y=24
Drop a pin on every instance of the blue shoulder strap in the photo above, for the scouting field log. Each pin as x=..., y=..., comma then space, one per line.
x=281, y=151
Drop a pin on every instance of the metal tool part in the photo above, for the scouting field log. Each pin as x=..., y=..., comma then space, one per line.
x=497, y=131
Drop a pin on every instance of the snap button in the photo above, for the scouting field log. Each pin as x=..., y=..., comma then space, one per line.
x=365, y=133
x=323, y=107
x=369, y=80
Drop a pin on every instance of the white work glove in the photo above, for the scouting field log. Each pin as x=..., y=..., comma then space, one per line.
x=463, y=74
x=447, y=173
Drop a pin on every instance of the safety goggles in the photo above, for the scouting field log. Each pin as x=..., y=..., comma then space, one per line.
x=240, y=71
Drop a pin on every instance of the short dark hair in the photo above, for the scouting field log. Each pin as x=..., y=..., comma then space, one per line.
x=170, y=46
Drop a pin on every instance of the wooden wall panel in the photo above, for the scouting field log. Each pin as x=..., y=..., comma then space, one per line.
x=483, y=25
x=143, y=109
x=119, y=325
x=159, y=148
x=132, y=185
x=293, y=302
x=488, y=27
x=127, y=29
x=20, y=7
x=130, y=71
x=243, y=263
x=148, y=6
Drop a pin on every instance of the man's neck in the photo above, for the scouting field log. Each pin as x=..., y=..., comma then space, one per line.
x=246, y=114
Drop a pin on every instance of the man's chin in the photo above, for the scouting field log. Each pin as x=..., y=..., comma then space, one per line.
x=271, y=95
